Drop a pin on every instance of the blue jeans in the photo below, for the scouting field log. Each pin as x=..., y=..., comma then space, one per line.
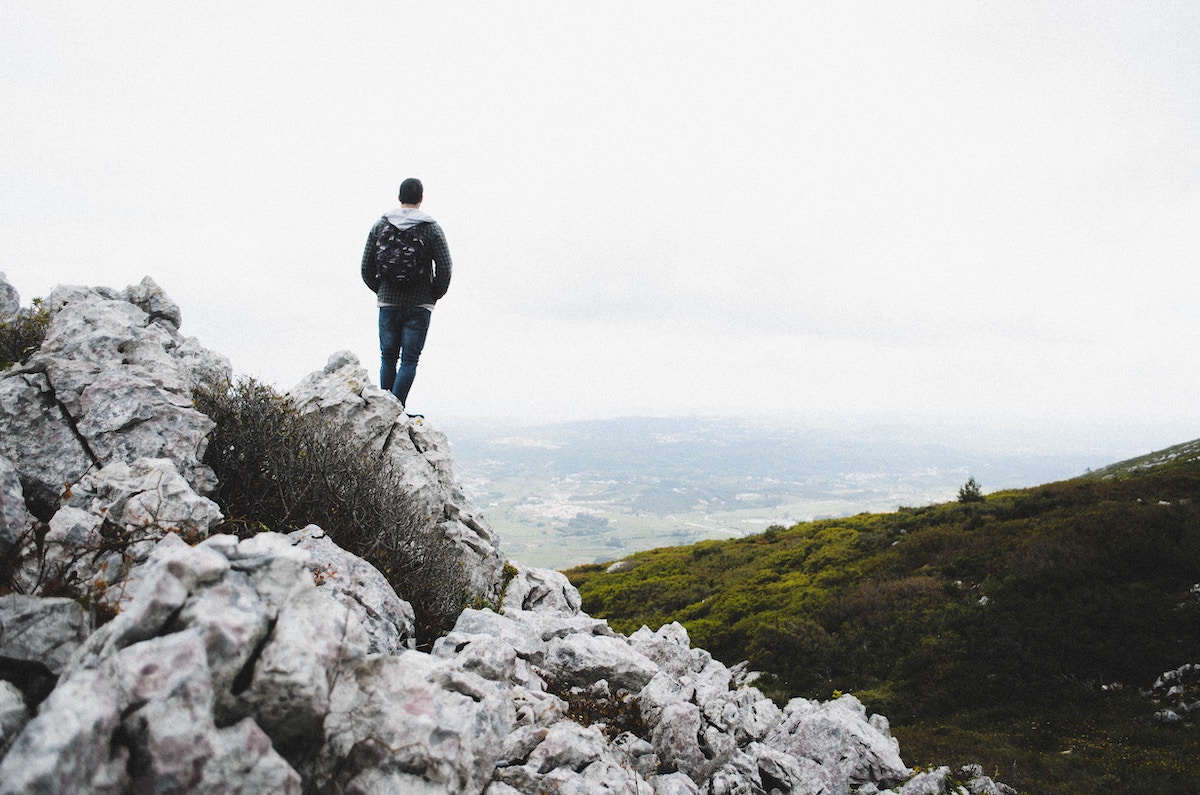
x=402, y=331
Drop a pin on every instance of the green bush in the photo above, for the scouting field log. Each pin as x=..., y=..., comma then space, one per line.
x=281, y=470
x=23, y=334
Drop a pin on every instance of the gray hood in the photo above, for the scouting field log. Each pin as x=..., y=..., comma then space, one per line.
x=405, y=217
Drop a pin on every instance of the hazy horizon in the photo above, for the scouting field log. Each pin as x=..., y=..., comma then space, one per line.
x=973, y=216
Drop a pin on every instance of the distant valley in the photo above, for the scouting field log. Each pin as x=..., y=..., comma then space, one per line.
x=567, y=494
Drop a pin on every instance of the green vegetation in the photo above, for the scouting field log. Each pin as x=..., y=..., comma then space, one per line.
x=23, y=333
x=1013, y=630
x=970, y=492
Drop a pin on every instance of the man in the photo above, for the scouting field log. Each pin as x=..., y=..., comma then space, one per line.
x=404, y=309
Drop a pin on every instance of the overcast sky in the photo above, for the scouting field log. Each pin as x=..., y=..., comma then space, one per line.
x=981, y=211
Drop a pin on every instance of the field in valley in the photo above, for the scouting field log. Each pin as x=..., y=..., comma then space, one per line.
x=565, y=495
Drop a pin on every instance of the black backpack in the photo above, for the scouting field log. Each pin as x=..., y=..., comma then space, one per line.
x=400, y=256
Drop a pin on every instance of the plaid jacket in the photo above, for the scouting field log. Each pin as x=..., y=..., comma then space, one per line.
x=415, y=295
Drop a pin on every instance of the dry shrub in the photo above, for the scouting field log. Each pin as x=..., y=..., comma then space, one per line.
x=615, y=713
x=281, y=470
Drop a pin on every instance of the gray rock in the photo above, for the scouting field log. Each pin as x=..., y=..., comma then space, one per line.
x=155, y=593
x=505, y=646
x=500, y=788
x=231, y=634
x=573, y=759
x=113, y=518
x=91, y=336
x=151, y=299
x=395, y=718
x=1167, y=717
x=583, y=659
x=38, y=439
x=157, y=695
x=13, y=713
x=837, y=735
x=234, y=623
x=124, y=378
x=927, y=782
x=243, y=761
x=673, y=784
x=568, y=745
x=45, y=631
x=313, y=635
x=64, y=294
x=15, y=519
x=681, y=739
x=759, y=768
x=979, y=784
x=147, y=496
x=389, y=620
x=124, y=418
x=541, y=590
x=65, y=748
x=10, y=299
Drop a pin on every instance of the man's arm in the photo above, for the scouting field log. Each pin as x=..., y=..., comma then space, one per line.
x=441, y=259
x=369, y=275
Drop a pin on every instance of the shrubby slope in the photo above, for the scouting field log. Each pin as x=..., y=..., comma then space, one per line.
x=1048, y=606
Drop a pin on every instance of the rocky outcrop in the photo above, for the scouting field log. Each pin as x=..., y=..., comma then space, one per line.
x=111, y=383
x=284, y=664
x=1177, y=694
x=231, y=662
x=342, y=392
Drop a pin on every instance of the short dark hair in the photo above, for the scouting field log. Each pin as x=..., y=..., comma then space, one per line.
x=411, y=191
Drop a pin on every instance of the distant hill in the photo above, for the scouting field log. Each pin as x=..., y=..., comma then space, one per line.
x=1018, y=629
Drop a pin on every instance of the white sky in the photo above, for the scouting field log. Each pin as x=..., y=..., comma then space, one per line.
x=985, y=211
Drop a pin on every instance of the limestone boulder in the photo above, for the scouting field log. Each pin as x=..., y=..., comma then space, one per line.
x=839, y=736
x=40, y=441
x=223, y=657
x=150, y=298
x=541, y=590
x=15, y=519
x=112, y=518
x=148, y=496
x=412, y=723
x=581, y=659
x=121, y=375
x=37, y=631
x=389, y=621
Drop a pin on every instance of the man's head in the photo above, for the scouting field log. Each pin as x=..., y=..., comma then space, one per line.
x=411, y=191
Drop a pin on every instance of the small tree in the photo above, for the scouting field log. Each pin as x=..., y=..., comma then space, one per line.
x=970, y=492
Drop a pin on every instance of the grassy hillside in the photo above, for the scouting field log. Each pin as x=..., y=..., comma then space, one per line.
x=1016, y=630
